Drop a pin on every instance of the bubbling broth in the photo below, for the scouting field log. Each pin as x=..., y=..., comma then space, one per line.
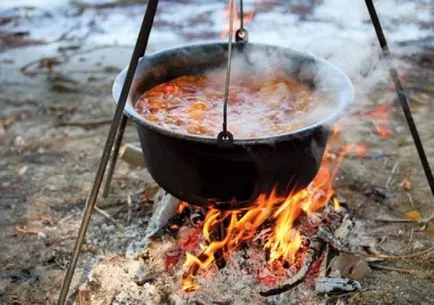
x=258, y=106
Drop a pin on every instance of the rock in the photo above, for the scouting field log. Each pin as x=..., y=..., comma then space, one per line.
x=350, y=266
x=64, y=87
x=143, y=276
x=360, y=271
x=108, y=228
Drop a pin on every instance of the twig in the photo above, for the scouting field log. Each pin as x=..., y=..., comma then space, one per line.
x=393, y=257
x=87, y=124
x=316, y=249
x=65, y=34
x=106, y=216
x=129, y=205
x=44, y=62
x=62, y=59
x=395, y=169
x=422, y=221
x=25, y=231
x=401, y=270
x=411, y=236
x=410, y=198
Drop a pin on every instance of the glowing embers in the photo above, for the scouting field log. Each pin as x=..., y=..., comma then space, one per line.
x=380, y=116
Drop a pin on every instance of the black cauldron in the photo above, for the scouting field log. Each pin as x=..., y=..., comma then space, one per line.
x=196, y=168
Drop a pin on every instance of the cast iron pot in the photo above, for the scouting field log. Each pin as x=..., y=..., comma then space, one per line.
x=197, y=169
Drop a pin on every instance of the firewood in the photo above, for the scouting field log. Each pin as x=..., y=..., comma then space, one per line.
x=314, y=252
x=132, y=154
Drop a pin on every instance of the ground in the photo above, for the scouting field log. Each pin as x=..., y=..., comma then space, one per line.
x=47, y=165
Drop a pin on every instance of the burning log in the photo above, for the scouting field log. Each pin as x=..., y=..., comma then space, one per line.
x=315, y=250
x=218, y=255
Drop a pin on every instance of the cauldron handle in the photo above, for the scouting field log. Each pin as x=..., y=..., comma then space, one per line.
x=241, y=35
x=225, y=137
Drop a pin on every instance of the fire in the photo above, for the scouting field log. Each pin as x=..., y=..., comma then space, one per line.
x=181, y=207
x=381, y=115
x=284, y=240
x=248, y=16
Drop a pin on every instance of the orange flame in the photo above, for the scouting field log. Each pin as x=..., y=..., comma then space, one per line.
x=181, y=207
x=285, y=240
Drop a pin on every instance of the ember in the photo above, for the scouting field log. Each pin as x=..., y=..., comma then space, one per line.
x=380, y=115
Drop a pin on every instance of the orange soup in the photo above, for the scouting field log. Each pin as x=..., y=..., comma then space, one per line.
x=257, y=106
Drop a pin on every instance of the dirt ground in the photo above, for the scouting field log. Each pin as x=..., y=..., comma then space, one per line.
x=47, y=166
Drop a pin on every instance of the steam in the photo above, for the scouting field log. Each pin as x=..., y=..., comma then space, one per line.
x=331, y=92
x=339, y=31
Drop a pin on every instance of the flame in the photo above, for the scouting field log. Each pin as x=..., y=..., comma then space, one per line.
x=285, y=240
x=380, y=115
x=181, y=207
x=248, y=16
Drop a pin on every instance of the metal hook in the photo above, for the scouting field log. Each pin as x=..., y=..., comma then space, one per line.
x=225, y=139
x=241, y=35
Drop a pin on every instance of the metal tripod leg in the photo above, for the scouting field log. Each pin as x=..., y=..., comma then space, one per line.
x=401, y=94
x=139, y=51
x=115, y=154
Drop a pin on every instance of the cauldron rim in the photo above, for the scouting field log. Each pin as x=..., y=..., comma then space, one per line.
x=346, y=97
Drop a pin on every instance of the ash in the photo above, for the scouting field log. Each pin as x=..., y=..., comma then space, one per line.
x=153, y=274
